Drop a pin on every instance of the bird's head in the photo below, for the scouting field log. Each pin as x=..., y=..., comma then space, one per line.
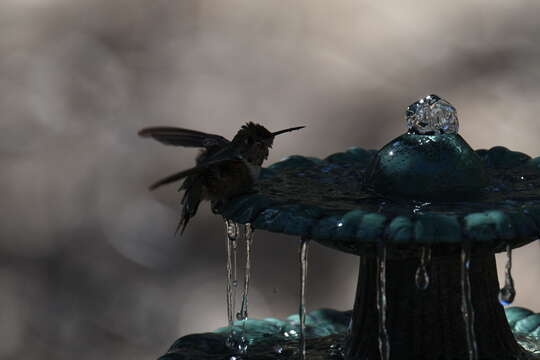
x=254, y=141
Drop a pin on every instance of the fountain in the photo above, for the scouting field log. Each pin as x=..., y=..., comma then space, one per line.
x=425, y=214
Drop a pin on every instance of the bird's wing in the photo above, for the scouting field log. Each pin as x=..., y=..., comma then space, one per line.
x=185, y=173
x=176, y=176
x=217, y=155
x=183, y=137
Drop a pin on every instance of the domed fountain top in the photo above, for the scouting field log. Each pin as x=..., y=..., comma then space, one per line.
x=425, y=187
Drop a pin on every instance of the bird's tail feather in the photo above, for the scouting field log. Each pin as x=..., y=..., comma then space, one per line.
x=190, y=202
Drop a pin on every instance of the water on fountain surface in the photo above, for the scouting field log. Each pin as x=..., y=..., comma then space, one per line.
x=466, y=305
x=384, y=342
x=302, y=308
x=422, y=275
x=508, y=292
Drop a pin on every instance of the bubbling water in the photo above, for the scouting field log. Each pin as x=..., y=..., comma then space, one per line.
x=432, y=115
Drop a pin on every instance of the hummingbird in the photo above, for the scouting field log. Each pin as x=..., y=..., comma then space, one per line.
x=223, y=168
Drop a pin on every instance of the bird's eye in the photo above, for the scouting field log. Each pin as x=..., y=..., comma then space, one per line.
x=249, y=141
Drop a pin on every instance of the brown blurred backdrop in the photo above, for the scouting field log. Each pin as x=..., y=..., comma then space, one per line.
x=89, y=266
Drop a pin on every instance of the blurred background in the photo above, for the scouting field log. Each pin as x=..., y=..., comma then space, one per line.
x=89, y=265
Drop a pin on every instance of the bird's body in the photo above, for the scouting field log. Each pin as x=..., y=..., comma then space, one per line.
x=223, y=168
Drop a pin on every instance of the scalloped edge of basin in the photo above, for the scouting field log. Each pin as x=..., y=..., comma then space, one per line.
x=357, y=230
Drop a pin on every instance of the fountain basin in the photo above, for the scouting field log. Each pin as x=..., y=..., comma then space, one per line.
x=357, y=202
x=327, y=200
x=326, y=331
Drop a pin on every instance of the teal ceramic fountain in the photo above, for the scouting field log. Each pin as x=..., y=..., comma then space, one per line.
x=426, y=214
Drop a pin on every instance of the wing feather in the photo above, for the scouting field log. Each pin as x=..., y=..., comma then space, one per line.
x=183, y=137
x=176, y=176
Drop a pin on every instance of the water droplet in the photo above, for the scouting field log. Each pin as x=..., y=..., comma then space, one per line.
x=507, y=292
x=302, y=308
x=507, y=295
x=237, y=343
x=278, y=349
x=336, y=351
x=432, y=115
x=467, y=309
x=232, y=229
x=384, y=341
x=422, y=276
x=242, y=345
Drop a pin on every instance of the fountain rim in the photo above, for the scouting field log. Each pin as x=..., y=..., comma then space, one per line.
x=491, y=229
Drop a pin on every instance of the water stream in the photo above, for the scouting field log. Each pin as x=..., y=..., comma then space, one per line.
x=466, y=304
x=384, y=342
x=304, y=243
x=422, y=275
x=232, y=233
x=248, y=236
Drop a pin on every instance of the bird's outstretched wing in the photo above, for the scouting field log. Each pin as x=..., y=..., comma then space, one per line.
x=201, y=167
x=183, y=137
x=176, y=176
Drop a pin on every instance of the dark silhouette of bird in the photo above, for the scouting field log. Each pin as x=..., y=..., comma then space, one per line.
x=223, y=168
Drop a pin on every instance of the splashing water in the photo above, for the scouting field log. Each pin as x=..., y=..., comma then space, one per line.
x=384, y=342
x=422, y=276
x=508, y=292
x=302, y=309
x=466, y=305
x=529, y=343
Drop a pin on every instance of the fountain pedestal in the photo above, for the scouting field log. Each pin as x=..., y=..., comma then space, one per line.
x=428, y=324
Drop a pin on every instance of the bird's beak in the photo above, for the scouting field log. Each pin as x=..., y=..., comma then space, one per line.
x=287, y=130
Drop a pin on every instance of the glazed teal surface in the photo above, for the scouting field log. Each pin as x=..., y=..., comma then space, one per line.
x=424, y=167
x=332, y=201
x=277, y=339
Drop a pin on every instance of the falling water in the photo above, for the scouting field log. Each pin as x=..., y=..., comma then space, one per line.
x=466, y=304
x=235, y=341
x=508, y=292
x=384, y=342
x=422, y=275
x=248, y=235
x=240, y=341
x=235, y=261
x=302, y=309
x=232, y=233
